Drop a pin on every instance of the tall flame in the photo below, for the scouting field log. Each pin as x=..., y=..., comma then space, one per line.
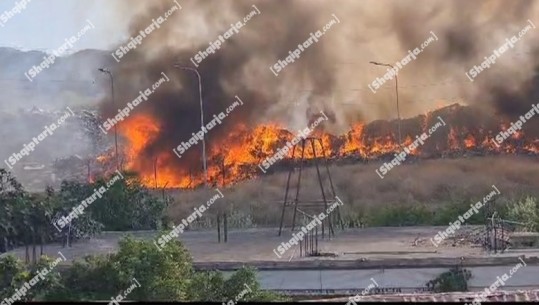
x=236, y=156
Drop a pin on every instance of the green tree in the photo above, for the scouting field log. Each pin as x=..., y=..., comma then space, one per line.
x=125, y=205
x=10, y=268
x=14, y=275
x=11, y=196
x=206, y=287
x=92, y=278
x=163, y=275
x=210, y=286
x=136, y=207
x=70, y=195
x=243, y=285
x=456, y=279
x=527, y=212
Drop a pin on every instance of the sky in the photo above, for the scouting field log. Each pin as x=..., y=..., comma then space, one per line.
x=45, y=24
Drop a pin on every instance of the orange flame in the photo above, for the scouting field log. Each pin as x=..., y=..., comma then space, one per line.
x=235, y=157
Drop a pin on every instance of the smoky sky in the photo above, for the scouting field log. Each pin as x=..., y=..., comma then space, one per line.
x=331, y=75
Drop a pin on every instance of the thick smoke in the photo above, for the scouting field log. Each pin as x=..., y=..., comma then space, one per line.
x=240, y=67
x=331, y=75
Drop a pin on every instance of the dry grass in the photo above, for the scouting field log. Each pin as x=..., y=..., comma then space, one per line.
x=431, y=183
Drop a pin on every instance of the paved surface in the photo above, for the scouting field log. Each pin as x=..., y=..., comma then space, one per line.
x=388, y=280
x=370, y=244
x=258, y=244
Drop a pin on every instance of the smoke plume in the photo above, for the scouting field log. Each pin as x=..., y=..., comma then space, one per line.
x=331, y=75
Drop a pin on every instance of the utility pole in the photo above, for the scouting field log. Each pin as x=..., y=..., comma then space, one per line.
x=106, y=71
x=397, y=93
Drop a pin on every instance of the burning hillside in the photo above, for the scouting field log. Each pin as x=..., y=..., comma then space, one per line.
x=237, y=155
x=359, y=130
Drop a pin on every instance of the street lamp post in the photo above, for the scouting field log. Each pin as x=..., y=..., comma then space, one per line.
x=397, y=93
x=106, y=71
x=201, y=118
x=204, y=150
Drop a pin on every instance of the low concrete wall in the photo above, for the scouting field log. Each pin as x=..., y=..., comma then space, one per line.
x=329, y=277
x=393, y=263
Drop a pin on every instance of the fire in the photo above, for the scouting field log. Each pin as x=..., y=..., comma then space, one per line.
x=354, y=141
x=236, y=156
x=383, y=145
x=533, y=147
x=140, y=130
x=407, y=143
x=470, y=142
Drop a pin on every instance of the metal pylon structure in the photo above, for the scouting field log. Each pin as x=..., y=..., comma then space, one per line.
x=497, y=230
x=319, y=205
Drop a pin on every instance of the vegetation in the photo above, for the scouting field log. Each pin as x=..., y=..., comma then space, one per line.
x=429, y=192
x=421, y=214
x=126, y=204
x=165, y=275
x=24, y=218
x=27, y=219
x=14, y=273
x=526, y=211
x=456, y=279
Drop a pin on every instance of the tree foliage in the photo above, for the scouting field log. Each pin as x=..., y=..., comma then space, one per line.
x=165, y=275
x=527, y=212
x=456, y=279
x=27, y=219
x=24, y=218
x=14, y=274
x=127, y=205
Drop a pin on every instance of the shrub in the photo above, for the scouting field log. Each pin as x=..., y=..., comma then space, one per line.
x=456, y=279
x=527, y=212
x=404, y=215
x=14, y=274
x=165, y=275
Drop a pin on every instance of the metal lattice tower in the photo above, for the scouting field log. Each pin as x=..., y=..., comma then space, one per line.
x=319, y=205
x=497, y=230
